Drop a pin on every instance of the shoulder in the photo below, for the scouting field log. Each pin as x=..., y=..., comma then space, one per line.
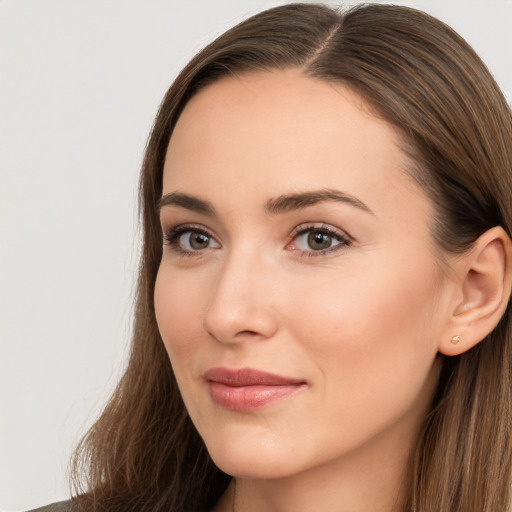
x=61, y=506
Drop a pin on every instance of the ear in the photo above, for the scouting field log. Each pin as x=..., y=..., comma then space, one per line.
x=484, y=282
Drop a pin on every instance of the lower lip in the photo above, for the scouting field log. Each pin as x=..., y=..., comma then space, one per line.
x=249, y=398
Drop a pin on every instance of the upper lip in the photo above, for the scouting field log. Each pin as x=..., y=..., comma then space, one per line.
x=248, y=377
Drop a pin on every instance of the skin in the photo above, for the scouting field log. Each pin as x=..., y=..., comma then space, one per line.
x=360, y=323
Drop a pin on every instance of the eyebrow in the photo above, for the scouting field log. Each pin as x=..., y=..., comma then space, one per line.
x=281, y=204
x=301, y=200
x=185, y=201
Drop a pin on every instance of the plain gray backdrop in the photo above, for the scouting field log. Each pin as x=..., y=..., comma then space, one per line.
x=80, y=82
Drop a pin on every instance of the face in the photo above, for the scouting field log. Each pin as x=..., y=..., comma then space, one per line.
x=299, y=296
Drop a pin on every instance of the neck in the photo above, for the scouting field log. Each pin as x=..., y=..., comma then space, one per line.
x=345, y=486
x=374, y=478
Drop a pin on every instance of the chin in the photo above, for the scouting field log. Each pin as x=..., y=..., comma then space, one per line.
x=253, y=467
x=259, y=457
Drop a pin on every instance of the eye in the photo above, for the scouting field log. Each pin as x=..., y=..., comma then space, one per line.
x=187, y=239
x=315, y=240
x=194, y=241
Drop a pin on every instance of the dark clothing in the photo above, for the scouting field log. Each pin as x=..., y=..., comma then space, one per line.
x=61, y=506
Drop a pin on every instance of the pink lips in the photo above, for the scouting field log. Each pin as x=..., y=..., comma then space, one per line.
x=247, y=389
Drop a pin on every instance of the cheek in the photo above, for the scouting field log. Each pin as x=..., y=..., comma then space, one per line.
x=178, y=315
x=372, y=335
x=385, y=303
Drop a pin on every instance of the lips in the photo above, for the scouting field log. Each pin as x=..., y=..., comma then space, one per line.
x=247, y=389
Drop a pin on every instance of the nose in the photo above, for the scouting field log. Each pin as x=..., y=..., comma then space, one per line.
x=242, y=305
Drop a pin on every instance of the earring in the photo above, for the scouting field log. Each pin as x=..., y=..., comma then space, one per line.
x=455, y=339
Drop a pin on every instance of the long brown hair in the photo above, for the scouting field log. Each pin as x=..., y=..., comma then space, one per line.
x=143, y=453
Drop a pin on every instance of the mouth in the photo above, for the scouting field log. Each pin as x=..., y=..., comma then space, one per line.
x=247, y=389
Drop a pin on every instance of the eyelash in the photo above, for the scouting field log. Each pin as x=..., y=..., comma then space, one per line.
x=325, y=229
x=172, y=237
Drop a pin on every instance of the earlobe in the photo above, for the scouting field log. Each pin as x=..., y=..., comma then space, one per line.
x=485, y=281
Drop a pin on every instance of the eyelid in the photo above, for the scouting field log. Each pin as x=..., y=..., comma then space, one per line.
x=338, y=234
x=183, y=228
x=172, y=235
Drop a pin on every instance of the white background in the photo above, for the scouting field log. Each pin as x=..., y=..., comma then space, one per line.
x=80, y=82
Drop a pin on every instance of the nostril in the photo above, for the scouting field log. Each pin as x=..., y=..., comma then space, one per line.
x=237, y=337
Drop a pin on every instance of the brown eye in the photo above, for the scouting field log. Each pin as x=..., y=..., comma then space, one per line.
x=185, y=239
x=318, y=241
x=197, y=240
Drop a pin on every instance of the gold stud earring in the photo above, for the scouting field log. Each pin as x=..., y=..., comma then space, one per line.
x=455, y=339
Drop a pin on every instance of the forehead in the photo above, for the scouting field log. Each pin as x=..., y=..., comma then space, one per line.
x=272, y=132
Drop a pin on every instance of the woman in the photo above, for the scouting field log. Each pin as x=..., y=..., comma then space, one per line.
x=326, y=323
